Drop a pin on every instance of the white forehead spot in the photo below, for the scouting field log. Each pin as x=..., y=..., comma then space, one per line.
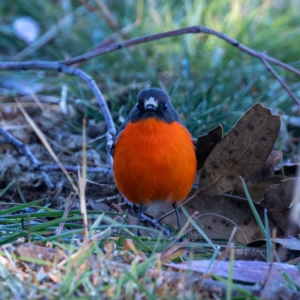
x=150, y=101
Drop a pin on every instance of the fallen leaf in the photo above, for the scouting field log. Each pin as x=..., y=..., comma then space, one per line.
x=173, y=252
x=43, y=253
x=279, y=196
x=206, y=143
x=257, y=190
x=129, y=245
x=218, y=215
x=277, y=200
x=110, y=246
x=245, y=271
x=241, y=152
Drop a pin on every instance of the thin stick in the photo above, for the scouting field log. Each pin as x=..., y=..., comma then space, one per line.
x=21, y=148
x=56, y=168
x=59, y=67
x=186, y=30
x=96, y=139
x=25, y=151
x=283, y=84
x=117, y=46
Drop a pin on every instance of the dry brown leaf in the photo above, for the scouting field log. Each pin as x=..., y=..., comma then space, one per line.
x=110, y=246
x=277, y=200
x=262, y=179
x=257, y=190
x=206, y=143
x=173, y=252
x=218, y=215
x=5, y=262
x=35, y=251
x=129, y=245
x=279, y=196
x=241, y=152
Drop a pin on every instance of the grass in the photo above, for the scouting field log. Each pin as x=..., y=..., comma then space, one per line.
x=209, y=83
x=74, y=278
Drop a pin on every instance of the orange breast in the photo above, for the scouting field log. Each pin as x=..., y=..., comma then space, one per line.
x=154, y=160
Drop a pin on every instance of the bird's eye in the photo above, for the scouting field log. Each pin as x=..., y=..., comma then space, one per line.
x=138, y=105
x=165, y=106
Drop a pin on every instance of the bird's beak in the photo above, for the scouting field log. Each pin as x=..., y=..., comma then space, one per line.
x=151, y=104
x=150, y=107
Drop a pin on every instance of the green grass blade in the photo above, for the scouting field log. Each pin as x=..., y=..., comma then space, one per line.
x=2, y=192
x=253, y=209
x=268, y=238
x=230, y=275
x=19, y=207
x=200, y=230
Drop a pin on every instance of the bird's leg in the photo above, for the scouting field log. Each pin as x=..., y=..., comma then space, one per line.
x=139, y=218
x=177, y=215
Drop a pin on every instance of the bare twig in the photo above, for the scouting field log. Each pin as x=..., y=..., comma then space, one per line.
x=62, y=66
x=195, y=30
x=25, y=151
x=98, y=138
x=21, y=148
x=56, y=168
x=44, y=169
x=47, y=180
x=59, y=67
x=186, y=30
x=283, y=84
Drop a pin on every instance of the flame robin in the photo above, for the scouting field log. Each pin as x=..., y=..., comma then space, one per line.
x=154, y=156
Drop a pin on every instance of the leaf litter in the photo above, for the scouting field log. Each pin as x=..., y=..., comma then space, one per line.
x=245, y=150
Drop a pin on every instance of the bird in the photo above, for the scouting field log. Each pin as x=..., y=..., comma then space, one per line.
x=153, y=153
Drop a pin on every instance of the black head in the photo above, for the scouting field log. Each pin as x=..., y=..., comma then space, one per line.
x=153, y=103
